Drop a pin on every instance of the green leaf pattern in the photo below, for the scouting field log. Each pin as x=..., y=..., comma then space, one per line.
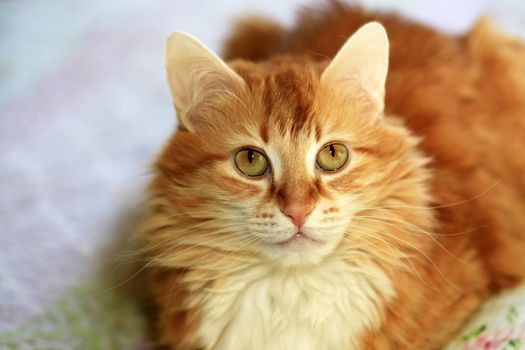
x=499, y=325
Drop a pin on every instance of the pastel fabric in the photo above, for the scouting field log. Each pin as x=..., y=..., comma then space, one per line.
x=83, y=107
x=499, y=325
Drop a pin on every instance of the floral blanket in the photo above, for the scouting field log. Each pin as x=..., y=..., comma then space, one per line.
x=499, y=325
x=83, y=108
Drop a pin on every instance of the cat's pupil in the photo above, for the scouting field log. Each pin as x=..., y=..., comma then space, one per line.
x=250, y=155
x=332, y=150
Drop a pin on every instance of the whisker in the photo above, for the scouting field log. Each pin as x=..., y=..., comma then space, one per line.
x=416, y=229
x=403, y=256
x=446, y=205
x=413, y=247
x=426, y=256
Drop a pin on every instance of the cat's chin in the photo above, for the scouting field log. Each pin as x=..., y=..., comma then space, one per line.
x=300, y=249
x=299, y=238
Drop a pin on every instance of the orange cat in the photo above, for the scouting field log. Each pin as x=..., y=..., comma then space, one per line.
x=301, y=205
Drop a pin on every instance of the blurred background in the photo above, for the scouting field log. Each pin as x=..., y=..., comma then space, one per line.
x=83, y=108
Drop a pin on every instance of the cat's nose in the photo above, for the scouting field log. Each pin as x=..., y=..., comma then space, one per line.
x=298, y=211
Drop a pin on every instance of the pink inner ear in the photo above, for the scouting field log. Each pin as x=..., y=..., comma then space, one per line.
x=182, y=102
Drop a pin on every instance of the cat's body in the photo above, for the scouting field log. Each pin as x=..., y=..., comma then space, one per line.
x=403, y=243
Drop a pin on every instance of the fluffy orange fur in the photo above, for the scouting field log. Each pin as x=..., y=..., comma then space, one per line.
x=434, y=195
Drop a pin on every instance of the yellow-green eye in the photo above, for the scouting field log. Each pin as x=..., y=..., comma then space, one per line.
x=332, y=157
x=251, y=162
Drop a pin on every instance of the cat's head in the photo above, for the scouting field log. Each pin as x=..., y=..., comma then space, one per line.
x=278, y=160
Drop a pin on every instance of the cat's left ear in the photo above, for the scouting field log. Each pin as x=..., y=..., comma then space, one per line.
x=361, y=65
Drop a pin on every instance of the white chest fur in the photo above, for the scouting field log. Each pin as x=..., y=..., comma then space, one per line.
x=322, y=307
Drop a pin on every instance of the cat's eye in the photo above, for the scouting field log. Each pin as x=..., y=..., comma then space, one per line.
x=251, y=162
x=332, y=157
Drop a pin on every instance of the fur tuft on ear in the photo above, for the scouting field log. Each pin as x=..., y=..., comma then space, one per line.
x=194, y=72
x=361, y=65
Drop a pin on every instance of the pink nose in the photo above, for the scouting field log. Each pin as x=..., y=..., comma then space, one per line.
x=298, y=211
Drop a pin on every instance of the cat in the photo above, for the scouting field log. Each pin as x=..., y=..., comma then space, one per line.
x=306, y=201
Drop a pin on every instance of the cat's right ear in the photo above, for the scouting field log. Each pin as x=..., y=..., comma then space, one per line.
x=360, y=67
x=194, y=74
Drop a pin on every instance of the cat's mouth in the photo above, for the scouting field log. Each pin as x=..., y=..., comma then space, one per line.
x=299, y=237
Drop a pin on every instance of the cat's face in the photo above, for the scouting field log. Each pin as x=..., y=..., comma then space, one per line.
x=279, y=159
